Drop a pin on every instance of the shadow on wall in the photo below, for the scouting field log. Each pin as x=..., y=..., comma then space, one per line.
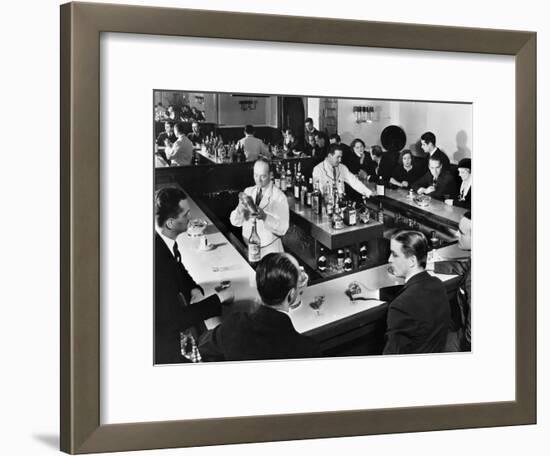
x=462, y=150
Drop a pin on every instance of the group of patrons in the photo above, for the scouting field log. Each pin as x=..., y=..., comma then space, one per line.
x=184, y=113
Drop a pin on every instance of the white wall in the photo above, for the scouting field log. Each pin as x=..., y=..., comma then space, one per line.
x=450, y=122
x=30, y=292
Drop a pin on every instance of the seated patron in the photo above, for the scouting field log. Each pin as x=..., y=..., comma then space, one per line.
x=167, y=137
x=310, y=129
x=464, y=198
x=195, y=136
x=330, y=171
x=358, y=160
x=267, y=331
x=406, y=172
x=179, y=301
x=419, y=316
x=385, y=163
x=321, y=147
x=436, y=182
x=460, y=338
x=335, y=139
x=427, y=142
x=253, y=147
x=291, y=146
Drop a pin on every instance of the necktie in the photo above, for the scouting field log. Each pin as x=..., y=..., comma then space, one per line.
x=258, y=197
x=177, y=254
x=462, y=194
x=334, y=173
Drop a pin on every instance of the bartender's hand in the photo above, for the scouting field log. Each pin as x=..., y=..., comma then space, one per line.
x=362, y=175
x=369, y=192
x=226, y=296
x=449, y=202
x=429, y=190
x=196, y=295
x=404, y=184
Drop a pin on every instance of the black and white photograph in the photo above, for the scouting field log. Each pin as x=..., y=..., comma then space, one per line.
x=290, y=227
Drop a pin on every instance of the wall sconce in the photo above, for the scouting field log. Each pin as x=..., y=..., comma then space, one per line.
x=363, y=114
x=248, y=105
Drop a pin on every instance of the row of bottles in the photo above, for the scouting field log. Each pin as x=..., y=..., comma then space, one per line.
x=343, y=259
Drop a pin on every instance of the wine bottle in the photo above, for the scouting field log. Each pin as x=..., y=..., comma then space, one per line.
x=254, y=244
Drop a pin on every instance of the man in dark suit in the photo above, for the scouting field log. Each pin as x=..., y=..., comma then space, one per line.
x=179, y=301
x=437, y=182
x=460, y=339
x=267, y=331
x=419, y=315
x=427, y=142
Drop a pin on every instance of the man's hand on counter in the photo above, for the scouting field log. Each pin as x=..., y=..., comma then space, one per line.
x=357, y=290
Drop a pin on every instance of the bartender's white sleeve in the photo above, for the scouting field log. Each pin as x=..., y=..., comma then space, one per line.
x=277, y=215
x=236, y=217
x=352, y=180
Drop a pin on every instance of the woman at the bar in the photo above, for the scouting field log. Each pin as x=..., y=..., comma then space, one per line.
x=406, y=172
x=465, y=194
x=358, y=160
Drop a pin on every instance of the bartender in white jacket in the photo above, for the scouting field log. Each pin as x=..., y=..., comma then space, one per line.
x=273, y=214
x=331, y=170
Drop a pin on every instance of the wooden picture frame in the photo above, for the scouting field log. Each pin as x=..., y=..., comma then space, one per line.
x=81, y=25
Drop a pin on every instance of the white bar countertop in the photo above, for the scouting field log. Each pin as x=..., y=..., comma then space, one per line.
x=223, y=262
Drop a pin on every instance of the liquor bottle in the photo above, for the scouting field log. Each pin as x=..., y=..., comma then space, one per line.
x=381, y=213
x=288, y=177
x=322, y=260
x=297, y=187
x=303, y=190
x=254, y=244
x=309, y=192
x=350, y=214
x=341, y=188
x=337, y=219
x=277, y=177
x=348, y=262
x=363, y=252
x=380, y=190
x=340, y=258
x=284, y=182
x=316, y=205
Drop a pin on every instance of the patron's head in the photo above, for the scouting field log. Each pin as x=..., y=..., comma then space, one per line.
x=465, y=232
x=406, y=158
x=320, y=139
x=358, y=146
x=334, y=156
x=465, y=168
x=277, y=280
x=195, y=127
x=261, y=173
x=435, y=167
x=408, y=253
x=289, y=135
x=309, y=124
x=179, y=129
x=249, y=130
x=427, y=142
x=171, y=211
x=169, y=128
x=334, y=139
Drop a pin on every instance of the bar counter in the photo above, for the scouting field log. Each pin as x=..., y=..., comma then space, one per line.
x=340, y=319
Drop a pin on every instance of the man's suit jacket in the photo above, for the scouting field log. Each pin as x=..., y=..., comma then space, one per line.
x=263, y=333
x=172, y=315
x=419, y=317
x=445, y=186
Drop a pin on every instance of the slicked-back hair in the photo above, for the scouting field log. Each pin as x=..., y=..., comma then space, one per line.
x=428, y=137
x=376, y=151
x=167, y=204
x=355, y=141
x=334, y=147
x=436, y=159
x=308, y=120
x=413, y=243
x=276, y=275
x=180, y=126
x=320, y=134
x=336, y=137
x=249, y=129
